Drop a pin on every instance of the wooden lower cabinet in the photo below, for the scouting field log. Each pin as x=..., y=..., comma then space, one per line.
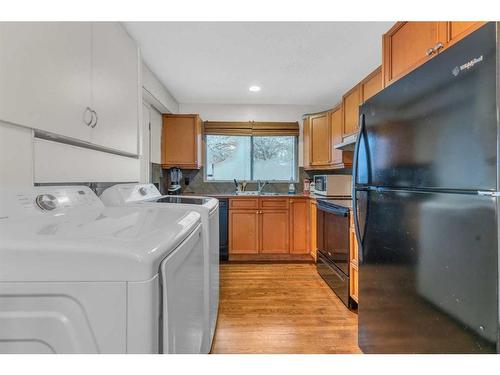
x=353, y=246
x=313, y=225
x=353, y=262
x=269, y=227
x=299, y=226
x=274, y=231
x=243, y=231
x=353, y=282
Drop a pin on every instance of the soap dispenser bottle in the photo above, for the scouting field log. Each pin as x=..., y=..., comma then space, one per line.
x=291, y=187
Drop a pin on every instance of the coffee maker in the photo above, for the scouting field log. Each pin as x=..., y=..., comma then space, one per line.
x=175, y=181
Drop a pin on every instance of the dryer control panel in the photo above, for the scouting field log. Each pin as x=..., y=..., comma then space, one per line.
x=43, y=199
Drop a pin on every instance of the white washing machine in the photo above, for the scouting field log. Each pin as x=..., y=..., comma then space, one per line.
x=79, y=277
x=208, y=208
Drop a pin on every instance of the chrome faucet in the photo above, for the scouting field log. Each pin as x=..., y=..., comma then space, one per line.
x=260, y=185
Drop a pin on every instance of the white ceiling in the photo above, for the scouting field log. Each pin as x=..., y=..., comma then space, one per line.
x=307, y=63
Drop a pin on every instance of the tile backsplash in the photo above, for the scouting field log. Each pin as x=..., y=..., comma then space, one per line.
x=197, y=185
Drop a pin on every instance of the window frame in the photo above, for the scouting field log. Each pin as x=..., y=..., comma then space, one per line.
x=295, y=162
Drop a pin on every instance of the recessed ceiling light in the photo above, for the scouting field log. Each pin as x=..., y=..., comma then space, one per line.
x=254, y=88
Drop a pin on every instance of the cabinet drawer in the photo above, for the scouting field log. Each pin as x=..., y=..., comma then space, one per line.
x=243, y=203
x=353, y=282
x=273, y=203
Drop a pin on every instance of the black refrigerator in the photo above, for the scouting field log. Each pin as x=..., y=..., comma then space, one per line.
x=426, y=195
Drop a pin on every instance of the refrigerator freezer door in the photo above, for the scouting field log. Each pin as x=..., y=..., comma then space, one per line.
x=428, y=272
x=437, y=127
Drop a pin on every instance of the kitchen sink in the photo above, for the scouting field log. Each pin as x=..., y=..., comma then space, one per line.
x=255, y=192
x=247, y=192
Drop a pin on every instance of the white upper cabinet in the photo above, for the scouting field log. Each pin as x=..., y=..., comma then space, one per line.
x=45, y=76
x=115, y=87
x=155, y=135
x=53, y=74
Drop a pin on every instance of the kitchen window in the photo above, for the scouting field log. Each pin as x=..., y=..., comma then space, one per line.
x=251, y=154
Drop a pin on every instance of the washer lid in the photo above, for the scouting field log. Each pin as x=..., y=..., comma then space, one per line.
x=92, y=244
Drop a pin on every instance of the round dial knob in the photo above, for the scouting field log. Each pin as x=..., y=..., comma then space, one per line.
x=46, y=202
x=143, y=191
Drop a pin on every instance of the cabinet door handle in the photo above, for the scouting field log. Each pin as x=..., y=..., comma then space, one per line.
x=88, y=111
x=430, y=51
x=438, y=46
x=94, y=113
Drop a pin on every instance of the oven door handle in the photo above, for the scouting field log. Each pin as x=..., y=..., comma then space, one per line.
x=325, y=262
x=332, y=210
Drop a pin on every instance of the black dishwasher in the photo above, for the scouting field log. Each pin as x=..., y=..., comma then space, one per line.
x=223, y=222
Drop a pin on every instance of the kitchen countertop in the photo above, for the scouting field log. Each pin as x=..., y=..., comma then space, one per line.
x=234, y=195
x=345, y=203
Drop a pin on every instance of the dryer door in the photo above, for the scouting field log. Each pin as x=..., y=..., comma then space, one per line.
x=183, y=320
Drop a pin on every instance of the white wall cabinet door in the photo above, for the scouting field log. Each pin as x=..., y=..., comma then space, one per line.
x=156, y=127
x=45, y=76
x=144, y=153
x=115, y=87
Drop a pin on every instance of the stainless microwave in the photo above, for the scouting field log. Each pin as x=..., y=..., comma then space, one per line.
x=333, y=185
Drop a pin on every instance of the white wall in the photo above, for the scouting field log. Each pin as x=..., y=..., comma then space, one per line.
x=253, y=112
x=16, y=156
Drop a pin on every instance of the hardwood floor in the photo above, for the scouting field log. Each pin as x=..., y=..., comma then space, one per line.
x=281, y=308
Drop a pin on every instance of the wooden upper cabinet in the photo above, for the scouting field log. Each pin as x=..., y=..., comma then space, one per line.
x=243, y=231
x=336, y=120
x=371, y=85
x=350, y=111
x=322, y=132
x=457, y=30
x=410, y=44
x=320, y=140
x=181, y=141
x=306, y=141
x=299, y=226
x=274, y=231
x=340, y=158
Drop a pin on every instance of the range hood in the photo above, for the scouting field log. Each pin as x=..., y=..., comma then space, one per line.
x=348, y=144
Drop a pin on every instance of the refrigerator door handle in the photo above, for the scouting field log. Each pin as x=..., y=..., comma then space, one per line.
x=354, y=180
x=356, y=150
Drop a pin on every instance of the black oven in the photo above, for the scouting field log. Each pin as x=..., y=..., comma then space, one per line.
x=333, y=245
